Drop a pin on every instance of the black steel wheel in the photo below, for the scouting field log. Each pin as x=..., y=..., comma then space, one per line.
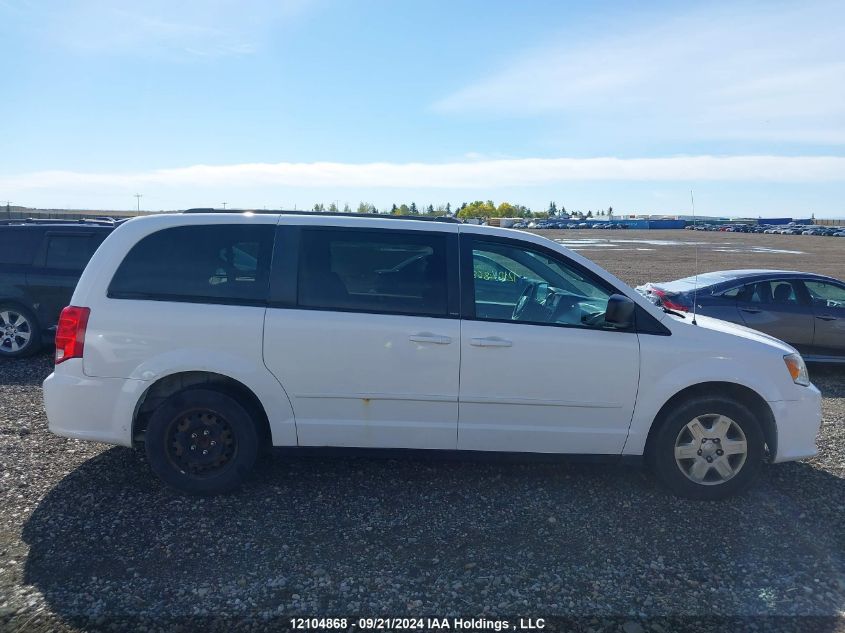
x=201, y=441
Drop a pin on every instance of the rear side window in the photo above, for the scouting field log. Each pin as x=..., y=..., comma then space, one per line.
x=221, y=263
x=373, y=271
x=18, y=245
x=70, y=252
x=780, y=292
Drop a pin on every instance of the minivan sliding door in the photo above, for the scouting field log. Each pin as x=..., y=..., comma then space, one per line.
x=364, y=335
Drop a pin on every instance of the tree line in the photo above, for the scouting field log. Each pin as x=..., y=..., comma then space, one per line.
x=476, y=209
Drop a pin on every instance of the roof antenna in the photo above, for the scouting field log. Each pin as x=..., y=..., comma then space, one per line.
x=695, y=285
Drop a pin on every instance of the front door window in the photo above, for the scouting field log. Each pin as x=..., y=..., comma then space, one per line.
x=826, y=295
x=523, y=285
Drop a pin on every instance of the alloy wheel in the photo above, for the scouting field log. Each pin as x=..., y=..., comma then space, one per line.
x=711, y=449
x=15, y=331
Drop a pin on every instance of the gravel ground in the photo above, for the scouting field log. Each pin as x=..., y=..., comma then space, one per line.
x=88, y=535
x=665, y=255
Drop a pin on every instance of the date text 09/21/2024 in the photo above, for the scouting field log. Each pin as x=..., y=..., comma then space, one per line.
x=417, y=624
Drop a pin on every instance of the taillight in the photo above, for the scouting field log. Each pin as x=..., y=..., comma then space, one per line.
x=667, y=301
x=70, y=334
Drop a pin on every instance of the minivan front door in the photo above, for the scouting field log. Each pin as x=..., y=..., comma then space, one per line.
x=368, y=345
x=540, y=371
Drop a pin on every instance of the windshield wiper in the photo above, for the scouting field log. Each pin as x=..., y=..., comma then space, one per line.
x=670, y=311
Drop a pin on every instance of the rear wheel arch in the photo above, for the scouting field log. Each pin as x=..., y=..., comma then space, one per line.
x=169, y=385
x=742, y=394
x=22, y=303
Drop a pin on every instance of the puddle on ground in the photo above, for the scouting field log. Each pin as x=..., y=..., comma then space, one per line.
x=587, y=243
x=756, y=249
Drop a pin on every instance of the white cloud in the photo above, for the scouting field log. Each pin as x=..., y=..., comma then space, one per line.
x=490, y=174
x=159, y=28
x=750, y=72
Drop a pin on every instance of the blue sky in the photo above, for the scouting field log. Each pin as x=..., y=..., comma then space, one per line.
x=292, y=102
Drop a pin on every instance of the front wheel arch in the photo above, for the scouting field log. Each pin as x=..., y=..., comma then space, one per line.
x=747, y=397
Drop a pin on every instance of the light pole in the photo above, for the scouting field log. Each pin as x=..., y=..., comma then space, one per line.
x=224, y=205
x=138, y=196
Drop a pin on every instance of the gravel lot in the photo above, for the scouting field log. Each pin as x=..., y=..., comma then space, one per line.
x=665, y=255
x=88, y=535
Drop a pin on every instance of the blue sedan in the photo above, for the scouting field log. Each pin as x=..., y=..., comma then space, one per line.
x=803, y=309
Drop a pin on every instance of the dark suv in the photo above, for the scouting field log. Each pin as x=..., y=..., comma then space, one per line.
x=40, y=263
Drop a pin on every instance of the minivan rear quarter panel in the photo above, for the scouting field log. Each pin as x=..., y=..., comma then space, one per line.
x=149, y=338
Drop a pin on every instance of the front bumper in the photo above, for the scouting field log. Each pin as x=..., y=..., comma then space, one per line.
x=798, y=423
x=89, y=408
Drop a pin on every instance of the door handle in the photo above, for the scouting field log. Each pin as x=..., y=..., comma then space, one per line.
x=490, y=341
x=427, y=337
x=751, y=310
x=826, y=317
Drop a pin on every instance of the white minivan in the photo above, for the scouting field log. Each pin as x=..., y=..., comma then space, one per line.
x=206, y=337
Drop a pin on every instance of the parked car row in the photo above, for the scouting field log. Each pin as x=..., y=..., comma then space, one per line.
x=728, y=228
x=561, y=224
x=804, y=229
x=780, y=229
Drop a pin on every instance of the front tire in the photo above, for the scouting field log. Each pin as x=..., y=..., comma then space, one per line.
x=708, y=448
x=20, y=334
x=202, y=442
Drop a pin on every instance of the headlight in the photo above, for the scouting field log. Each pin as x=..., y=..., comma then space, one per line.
x=797, y=369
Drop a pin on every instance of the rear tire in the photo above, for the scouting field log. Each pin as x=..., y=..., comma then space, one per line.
x=201, y=442
x=708, y=448
x=20, y=334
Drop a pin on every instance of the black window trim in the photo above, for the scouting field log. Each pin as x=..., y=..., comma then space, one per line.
x=644, y=323
x=284, y=272
x=177, y=298
x=804, y=297
x=284, y=267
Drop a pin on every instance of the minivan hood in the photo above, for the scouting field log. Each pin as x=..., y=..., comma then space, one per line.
x=726, y=327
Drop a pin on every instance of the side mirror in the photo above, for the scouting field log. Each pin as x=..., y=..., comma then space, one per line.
x=620, y=311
